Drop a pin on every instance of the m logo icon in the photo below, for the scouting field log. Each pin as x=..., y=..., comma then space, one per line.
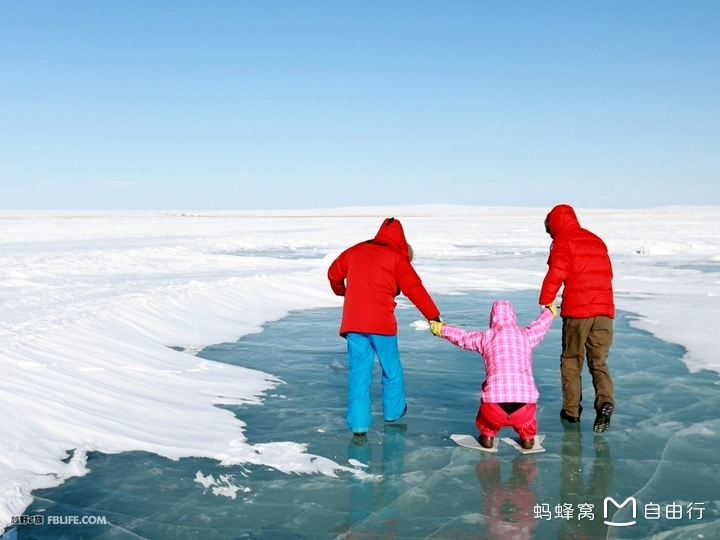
x=618, y=506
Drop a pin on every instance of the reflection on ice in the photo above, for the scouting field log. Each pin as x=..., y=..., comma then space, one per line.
x=661, y=449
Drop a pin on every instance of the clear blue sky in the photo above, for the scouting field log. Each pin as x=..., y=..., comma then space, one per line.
x=258, y=105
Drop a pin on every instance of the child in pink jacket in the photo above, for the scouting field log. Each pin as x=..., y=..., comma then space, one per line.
x=509, y=395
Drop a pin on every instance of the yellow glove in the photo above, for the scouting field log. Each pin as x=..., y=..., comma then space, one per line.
x=436, y=327
x=552, y=309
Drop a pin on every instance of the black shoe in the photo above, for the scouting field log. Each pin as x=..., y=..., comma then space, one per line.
x=527, y=444
x=485, y=441
x=571, y=419
x=360, y=434
x=602, y=420
x=399, y=417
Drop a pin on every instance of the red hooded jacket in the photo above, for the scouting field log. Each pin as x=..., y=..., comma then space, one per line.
x=370, y=275
x=579, y=260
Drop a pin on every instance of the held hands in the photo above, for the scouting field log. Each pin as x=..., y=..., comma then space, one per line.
x=436, y=327
x=552, y=309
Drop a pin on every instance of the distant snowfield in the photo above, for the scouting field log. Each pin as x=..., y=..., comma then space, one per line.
x=91, y=302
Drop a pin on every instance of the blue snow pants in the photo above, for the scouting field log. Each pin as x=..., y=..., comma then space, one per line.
x=362, y=349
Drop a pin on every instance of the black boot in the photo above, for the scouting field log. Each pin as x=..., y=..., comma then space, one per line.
x=602, y=420
x=485, y=441
x=565, y=416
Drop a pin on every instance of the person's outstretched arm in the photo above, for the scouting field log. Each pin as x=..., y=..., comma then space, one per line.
x=537, y=329
x=470, y=341
x=558, y=271
x=412, y=287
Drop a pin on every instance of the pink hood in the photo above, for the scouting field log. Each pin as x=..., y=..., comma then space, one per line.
x=502, y=314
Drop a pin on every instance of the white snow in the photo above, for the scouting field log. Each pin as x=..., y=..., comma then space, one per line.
x=91, y=302
x=224, y=485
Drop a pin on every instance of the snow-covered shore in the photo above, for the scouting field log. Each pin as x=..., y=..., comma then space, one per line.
x=91, y=302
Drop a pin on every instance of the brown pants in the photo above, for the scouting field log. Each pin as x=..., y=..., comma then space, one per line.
x=594, y=337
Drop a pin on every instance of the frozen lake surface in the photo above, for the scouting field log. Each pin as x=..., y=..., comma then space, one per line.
x=661, y=449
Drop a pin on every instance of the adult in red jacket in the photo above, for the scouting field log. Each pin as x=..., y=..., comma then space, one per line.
x=579, y=260
x=370, y=275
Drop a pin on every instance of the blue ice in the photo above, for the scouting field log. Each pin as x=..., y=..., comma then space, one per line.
x=661, y=450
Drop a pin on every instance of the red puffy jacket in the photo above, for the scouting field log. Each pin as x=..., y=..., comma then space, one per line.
x=376, y=272
x=579, y=259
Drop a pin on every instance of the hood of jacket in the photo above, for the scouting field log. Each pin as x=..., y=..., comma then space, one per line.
x=391, y=233
x=502, y=313
x=561, y=219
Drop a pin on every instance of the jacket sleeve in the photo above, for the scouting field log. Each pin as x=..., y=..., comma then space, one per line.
x=558, y=271
x=337, y=274
x=412, y=287
x=470, y=341
x=539, y=327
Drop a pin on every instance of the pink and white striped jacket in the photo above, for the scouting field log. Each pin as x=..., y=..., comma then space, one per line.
x=507, y=351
